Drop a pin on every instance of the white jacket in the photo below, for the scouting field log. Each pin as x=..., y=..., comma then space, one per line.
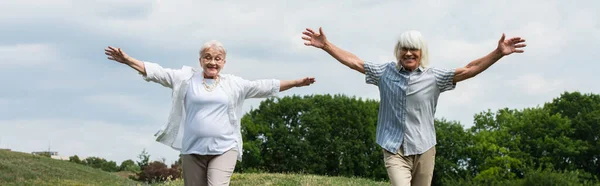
x=236, y=88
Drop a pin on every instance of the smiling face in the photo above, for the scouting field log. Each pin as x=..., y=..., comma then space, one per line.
x=411, y=51
x=410, y=58
x=212, y=60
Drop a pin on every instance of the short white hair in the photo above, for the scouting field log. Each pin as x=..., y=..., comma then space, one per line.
x=214, y=44
x=413, y=39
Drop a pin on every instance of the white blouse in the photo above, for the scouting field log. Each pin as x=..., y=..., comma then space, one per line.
x=236, y=89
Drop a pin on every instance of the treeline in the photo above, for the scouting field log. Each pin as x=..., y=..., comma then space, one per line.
x=142, y=170
x=103, y=164
x=552, y=144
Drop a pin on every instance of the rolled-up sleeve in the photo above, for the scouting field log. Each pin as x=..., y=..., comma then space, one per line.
x=444, y=79
x=261, y=88
x=373, y=72
x=158, y=74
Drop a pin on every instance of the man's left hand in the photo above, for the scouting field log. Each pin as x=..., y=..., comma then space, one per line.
x=512, y=45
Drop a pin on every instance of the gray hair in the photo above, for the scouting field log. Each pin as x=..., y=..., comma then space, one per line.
x=214, y=44
x=413, y=39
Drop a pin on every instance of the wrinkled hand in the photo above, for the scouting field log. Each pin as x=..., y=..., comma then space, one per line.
x=314, y=39
x=512, y=45
x=116, y=54
x=305, y=81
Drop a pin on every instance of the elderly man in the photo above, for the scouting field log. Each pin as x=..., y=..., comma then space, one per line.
x=409, y=92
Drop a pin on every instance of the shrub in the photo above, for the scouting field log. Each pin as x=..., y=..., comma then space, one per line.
x=157, y=172
x=129, y=166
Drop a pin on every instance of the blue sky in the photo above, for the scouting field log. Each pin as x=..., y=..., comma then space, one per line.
x=60, y=91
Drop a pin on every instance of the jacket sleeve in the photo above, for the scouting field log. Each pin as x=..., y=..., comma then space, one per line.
x=163, y=76
x=262, y=88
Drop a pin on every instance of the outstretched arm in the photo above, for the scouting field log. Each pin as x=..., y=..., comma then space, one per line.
x=116, y=54
x=151, y=71
x=505, y=47
x=270, y=87
x=319, y=40
x=288, y=84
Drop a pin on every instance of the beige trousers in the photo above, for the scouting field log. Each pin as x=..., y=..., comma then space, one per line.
x=416, y=170
x=204, y=170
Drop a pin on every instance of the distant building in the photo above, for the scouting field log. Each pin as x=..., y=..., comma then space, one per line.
x=60, y=157
x=53, y=155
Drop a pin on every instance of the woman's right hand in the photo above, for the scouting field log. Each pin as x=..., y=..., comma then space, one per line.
x=116, y=54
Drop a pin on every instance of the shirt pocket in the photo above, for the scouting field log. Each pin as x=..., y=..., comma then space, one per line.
x=394, y=84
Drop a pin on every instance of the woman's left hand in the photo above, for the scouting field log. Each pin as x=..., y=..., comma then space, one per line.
x=305, y=81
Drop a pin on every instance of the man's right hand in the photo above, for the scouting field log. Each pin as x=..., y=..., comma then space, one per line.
x=319, y=40
x=314, y=39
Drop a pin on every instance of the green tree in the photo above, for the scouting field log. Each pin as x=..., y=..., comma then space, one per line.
x=502, y=148
x=101, y=163
x=451, y=159
x=510, y=142
x=129, y=165
x=335, y=135
x=75, y=159
x=144, y=159
x=110, y=166
x=320, y=134
x=584, y=112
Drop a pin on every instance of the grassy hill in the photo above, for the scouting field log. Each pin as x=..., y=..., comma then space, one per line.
x=18, y=168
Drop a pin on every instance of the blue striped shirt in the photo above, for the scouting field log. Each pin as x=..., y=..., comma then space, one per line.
x=407, y=105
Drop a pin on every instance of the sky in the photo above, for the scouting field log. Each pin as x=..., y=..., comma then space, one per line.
x=60, y=92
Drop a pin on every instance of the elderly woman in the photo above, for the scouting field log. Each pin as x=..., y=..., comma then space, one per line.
x=204, y=122
x=409, y=91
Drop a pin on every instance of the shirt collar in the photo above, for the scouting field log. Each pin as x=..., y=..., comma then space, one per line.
x=401, y=68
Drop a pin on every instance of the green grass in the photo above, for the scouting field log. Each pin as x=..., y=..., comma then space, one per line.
x=18, y=168
x=25, y=169
x=257, y=179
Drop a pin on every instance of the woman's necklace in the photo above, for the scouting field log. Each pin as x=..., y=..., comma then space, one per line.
x=211, y=86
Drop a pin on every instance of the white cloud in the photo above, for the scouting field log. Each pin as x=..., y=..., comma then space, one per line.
x=4, y=101
x=113, y=141
x=27, y=55
x=66, y=10
x=130, y=105
x=536, y=84
x=31, y=9
x=458, y=53
x=547, y=38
